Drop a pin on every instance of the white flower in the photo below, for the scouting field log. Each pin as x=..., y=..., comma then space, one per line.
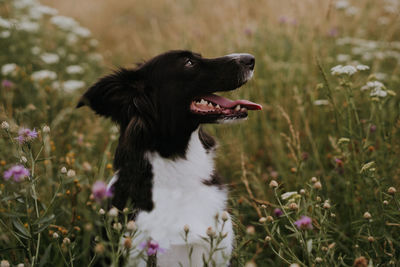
x=28, y=26
x=373, y=86
x=5, y=34
x=131, y=226
x=43, y=74
x=321, y=102
x=74, y=69
x=339, y=70
x=102, y=212
x=94, y=42
x=378, y=92
x=55, y=235
x=71, y=173
x=113, y=212
x=37, y=12
x=24, y=3
x=343, y=58
x=5, y=125
x=288, y=195
x=72, y=39
x=82, y=32
x=380, y=76
x=342, y=4
x=64, y=23
x=8, y=69
x=72, y=85
x=4, y=23
x=46, y=129
x=50, y=58
x=63, y=170
x=35, y=50
x=362, y=67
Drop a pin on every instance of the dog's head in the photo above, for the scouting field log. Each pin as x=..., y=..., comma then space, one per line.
x=170, y=95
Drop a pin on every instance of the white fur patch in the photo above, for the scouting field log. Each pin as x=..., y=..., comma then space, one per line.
x=181, y=198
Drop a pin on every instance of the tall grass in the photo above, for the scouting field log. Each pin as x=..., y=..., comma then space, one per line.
x=331, y=139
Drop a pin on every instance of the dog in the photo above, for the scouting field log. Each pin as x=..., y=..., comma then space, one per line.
x=164, y=159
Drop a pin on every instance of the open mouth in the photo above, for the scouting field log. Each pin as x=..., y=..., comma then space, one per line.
x=221, y=107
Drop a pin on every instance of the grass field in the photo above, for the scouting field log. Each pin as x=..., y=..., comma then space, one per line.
x=326, y=145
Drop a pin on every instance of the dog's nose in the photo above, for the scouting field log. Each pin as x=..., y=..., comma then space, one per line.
x=247, y=60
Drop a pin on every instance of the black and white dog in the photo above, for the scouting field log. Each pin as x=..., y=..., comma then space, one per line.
x=164, y=161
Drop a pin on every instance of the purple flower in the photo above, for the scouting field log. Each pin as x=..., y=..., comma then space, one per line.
x=151, y=247
x=333, y=32
x=304, y=222
x=278, y=212
x=283, y=19
x=7, y=83
x=17, y=172
x=26, y=135
x=100, y=191
x=372, y=128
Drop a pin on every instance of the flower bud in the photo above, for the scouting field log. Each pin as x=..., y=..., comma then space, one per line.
x=55, y=236
x=314, y=179
x=273, y=184
x=46, y=129
x=131, y=226
x=66, y=241
x=225, y=216
x=71, y=173
x=113, y=212
x=317, y=185
x=367, y=215
x=63, y=170
x=318, y=260
x=117, y=226
x=293, y=206
x=102, y=212
x=392, y=190
x=302, y=191
x=5, y=125
x=210, y=232
x=128, y=243
x=371, y=239
x=268, y=238
x=262, y=220
x=186, y=228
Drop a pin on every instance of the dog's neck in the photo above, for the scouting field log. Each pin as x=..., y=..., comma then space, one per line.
x=135, y=170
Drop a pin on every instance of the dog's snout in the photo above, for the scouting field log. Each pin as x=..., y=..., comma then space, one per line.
x=247, y=60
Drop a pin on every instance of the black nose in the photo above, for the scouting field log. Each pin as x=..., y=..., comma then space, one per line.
x=247, y=60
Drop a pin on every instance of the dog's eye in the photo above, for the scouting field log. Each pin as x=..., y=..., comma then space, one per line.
x=188, y=63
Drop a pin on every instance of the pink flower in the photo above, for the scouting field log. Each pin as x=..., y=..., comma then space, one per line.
x=7, y=83
x=304, y=222
x=18, y=172
x=26, y=135
x=151, y=247
x=100, y=191
x=278, y=212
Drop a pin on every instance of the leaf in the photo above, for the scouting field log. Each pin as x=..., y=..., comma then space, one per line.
x=21, y=228
x=45, y=219
x=45, y=256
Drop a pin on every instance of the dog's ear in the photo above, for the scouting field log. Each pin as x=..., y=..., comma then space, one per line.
x=115, y=95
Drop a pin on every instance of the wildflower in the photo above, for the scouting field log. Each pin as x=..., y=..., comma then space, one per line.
x=326, y=205
x=378, y=92
x=343, y=70
x=273, y=184
x=55, y=235
x=367, y=215
x=373, y=85
x=278, y=212
x=339, y=162
x=9, y=69
x=250, y=230
x=210, y=232
x=317, y=185
x=268, y=238
x=5, y=125
x=128, y=243
x=63, y=170
x=66, y=241
x=372, y=128
x=371, y=239
x=113, y=212
x=151, y=247
x=100, y=191
x=293, y=206
x=262, y=220
x=64, y=23
x=318, y=260
x=288, y=195
x=7, y=83
x=321, y=102
x=283, y=19
x=46, y=129
x=71, y=173
x=4, y=263
x=304, y=222
x=18, y=172
x=186, y=228
x=385, y=202
x=360, y=262
x=302, y=191
x=72, y=85
x=362, y=67
x=102, y=212
x=26, y=135
x=333, y=215
x=99, y=248
x=23, y=159
x=314, y=179
x=225, y=216
x=392, y=190
x=117, y=226
x=43, y=75
x=49, y=58
x=269, y=219
x=318, y=199
x=74, y=69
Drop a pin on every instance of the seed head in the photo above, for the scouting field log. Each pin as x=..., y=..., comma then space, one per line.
x=371, y=239
x=186, y=228
x=293, y=206
x=102, y=212
x=318, y=260
x=63, y=170
x=367, y=215
x=327, y=205
x=113, y=212
x=55, y=235
x=131, y=226
x=128, y=243
x=317, y=185
x=360, y=262
x=273, y=184
x=225, y=216
x=262, y=220
x=5, y=126
x=117, y=226
x=392, y=190
x=46, y=129
x=270, y=218
x=314, y=179
x=302, y=191
x=210, y=232
x=268, y=238
x=66, y=241
x=385, y=202
x=250, y=230
x=71, y=173
x=99, y=248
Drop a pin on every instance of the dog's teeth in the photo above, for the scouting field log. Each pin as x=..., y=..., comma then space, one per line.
x=237, y=108
x=217, y=106
x=203, y=102
x=210, y=105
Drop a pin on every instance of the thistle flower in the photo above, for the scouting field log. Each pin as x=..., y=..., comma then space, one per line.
x=278, y=212
x=303, y=223
x=26, y=135
x=100, y=191
x=17, y=172
x=151, y=247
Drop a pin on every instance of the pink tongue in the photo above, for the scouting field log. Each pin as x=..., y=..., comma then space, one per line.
x=227, y=103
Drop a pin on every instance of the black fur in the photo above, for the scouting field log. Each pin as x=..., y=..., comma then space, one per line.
x=151, y=105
